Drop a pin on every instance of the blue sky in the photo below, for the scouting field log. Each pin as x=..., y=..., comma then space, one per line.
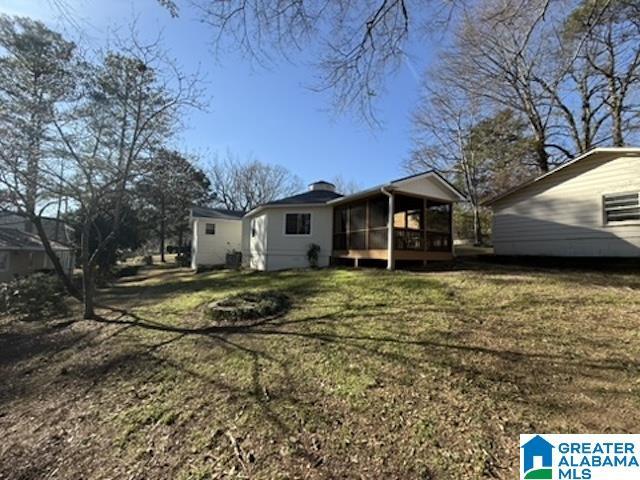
x=268, y=113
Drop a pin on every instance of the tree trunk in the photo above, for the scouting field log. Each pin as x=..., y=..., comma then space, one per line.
x=57, y=266
x=88, y=284
x=616, y=114
x=163, y=228
x=543, y=156
x=477, y=226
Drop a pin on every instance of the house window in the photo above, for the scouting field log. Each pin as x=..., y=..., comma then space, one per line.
x=297, y=224
x=210, y=229
x=253, y=228
x=4, y=261
x=621, y=207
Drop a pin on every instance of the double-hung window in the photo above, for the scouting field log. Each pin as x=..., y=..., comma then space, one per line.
x=297, y=224
x=210, y=229
x=621, y=207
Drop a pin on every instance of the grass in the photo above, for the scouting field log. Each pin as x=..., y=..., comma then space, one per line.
x=370, y=374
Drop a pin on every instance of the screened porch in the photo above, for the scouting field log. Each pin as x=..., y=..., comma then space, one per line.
x=421, y=228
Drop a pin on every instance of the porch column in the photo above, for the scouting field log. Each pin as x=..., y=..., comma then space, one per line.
x=391, y=261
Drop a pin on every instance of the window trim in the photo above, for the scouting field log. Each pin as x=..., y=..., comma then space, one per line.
x=8, y=264
x=206, y=226
x=620, y=223
x=284, y=224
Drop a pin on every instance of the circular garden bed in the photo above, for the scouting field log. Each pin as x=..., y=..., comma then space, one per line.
x=247, y=307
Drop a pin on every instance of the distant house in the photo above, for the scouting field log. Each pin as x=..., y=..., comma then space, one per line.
x=56, y=230
x=409, y=219
x=588, y=207
x=22, y=253
x=215, y=232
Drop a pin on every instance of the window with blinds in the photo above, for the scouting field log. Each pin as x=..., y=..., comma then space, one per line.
x=297, y=224
x=621, y=207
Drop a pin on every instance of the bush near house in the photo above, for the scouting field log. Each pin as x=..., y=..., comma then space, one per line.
x=39, y=296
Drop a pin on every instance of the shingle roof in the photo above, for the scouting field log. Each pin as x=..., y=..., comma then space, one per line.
x=313, y=196
x=216, y=213
x=12, y=239
x=55, y=229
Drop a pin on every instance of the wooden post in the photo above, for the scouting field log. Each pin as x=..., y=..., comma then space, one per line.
x=391, y=262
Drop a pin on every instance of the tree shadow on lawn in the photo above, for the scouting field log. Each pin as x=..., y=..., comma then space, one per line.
x=476, y=362
x=154, y=289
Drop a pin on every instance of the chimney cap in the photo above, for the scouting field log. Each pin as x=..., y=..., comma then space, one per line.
x=322, y=185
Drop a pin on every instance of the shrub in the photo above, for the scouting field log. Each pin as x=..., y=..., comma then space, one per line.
x=183, y=259
x=248, y=306
x=39, y=296
x=313, y=254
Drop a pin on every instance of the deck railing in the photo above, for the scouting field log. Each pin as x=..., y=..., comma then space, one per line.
x=404, y=239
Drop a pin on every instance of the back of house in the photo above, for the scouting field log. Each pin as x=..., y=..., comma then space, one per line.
x=589, y=207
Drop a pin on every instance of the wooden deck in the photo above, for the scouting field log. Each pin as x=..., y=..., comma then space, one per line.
x=381, y=254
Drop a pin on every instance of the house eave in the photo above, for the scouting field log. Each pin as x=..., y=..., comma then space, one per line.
x=590, y=153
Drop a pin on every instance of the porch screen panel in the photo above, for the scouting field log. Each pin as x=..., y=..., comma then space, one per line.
x=358, y=227
x=340, y=228
x=438, y=226
x=378, y=218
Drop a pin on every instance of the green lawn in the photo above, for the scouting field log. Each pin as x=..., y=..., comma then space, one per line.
x=369, y=375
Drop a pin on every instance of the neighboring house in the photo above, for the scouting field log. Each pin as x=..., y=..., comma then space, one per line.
x=56, y=230
x=277, y=235
x=588, y=207
x=215, y=232
x=22, y=253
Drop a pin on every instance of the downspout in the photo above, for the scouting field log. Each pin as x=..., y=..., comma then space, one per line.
x=391, y=261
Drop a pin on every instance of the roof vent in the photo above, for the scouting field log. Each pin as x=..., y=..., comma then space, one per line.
x=322, y=186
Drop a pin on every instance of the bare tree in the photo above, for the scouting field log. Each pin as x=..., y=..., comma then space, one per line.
x=356, y=42
x=242, y=186
x=480, y=150
x=130, y=107
x=498, y=56
x=344, y=186
x=611, y=51
x=443, y=123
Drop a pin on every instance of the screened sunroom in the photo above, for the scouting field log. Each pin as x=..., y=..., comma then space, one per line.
x=421, y=228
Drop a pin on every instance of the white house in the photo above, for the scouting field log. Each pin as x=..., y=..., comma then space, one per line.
x=588, y=207
x=215, y=232
x=354, y=228
x=278, y=235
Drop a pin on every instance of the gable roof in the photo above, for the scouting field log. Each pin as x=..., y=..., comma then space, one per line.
x=12, y=239
x=221, y=213
x=56, y=229
x=398, y=184
x=589, y=154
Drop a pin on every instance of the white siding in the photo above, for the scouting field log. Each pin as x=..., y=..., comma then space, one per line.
x=271, y=249
x=562, y=215
x=211, y=250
